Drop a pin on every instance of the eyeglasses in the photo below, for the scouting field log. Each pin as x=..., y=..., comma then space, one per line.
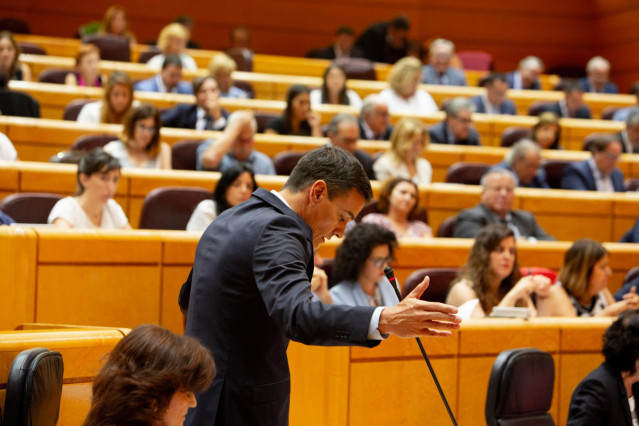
x=380, y=261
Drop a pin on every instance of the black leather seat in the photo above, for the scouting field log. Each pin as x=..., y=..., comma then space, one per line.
x=440, y=279
x=170, y=207
x=89, y=142
x=184, y=155
x=357, y=68
x=112, y=47
x=513, y=134
x=520, y=388
x=466, y=172
x=29, y=207
x=285, y=161
x=73, y=108
x=447, y=227
x=554, y=171
x=243, y=58
x=34, y=389
x=55, y=76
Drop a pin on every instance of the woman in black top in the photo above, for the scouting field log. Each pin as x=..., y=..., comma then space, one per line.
x=298, y=119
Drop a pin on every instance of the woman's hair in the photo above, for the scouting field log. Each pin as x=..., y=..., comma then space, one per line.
x=109, y=16
x=141, y=112
x=621, y=342
x=400, y=74
x=84, y=50
x=343, y=98
x=402, y=137
x=293, y=92
x=108, y=115
x=13, y=67
x=477, y=269
x=143, y=371
x=221, y=62
x=547, y=118
x=95, y=161
x=383, y=203
x=579, y=262
x=171, y=30
x=226, y=180
x=357, y=246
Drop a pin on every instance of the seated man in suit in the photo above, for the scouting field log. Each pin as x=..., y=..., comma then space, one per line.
x=439, y=71
x=205, y=114
x=494, y=100
x=374, y=119
x=341, y=48
x=16, y=103
x=572, y=106
x=343, y=131
x=632, y=235
x=629, y=137
x=457, y=128
x=385, y=41
x=169, y=80
x=527, y=75
x=235, y=145
x=495, y=206
x=599, y=173
x=524, y=161
x=622, y=113
x=597, y=79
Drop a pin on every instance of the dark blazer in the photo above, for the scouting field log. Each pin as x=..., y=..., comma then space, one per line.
x=470, y=221
x=538, y=181
x=18, y=104
x=582, y=112
x=609, y=87
x=184, y=116
x=386, y=135
x=456, y=77
x=151, y=85
x=600, y=399
x=250, y=294
x=328, y=52
x=632, y=236
x=510, y=78
x=507, y=107
x=578, y=175
x=618, y=296
x=372, y=42
x=366, y=160
x=439, y=134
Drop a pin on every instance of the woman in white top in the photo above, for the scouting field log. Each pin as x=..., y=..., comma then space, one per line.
x=115, y=104
x=93, y=205
x=404, y=158
x=172, y=41
x=140, y=144
x=334, y=90
x=403, y=95
x=235, y=186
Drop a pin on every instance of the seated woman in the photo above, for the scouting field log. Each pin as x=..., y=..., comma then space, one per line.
x=221, y=67
x=93, y=205
x=298, y=119
x=150, y=378
x=605, y=396
x=547, y=131
x=491, y=278
x=172, y=41
x=116, y=22
x=334, y=91
x=87, y=67
x=235, y=186
x=140, y=144
x=359, y=267
x=117, y=101
x=9, y=58
x=398, y=208
x=582, y=283
x=404, y=157
x=403, y=95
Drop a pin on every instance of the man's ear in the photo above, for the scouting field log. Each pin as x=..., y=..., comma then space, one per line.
x=318, y=190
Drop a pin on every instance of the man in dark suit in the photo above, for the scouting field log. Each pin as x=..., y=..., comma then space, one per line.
x=629, y=137
x=599, y=173
x=494, y=100
x=205, y=114
x=251, y=291
x=385, y=41
x=524, y=160
x=602, y=397
x=457, y=128
x=496, y=206
x=632, y=235
x=597, y=79
x=169, y=80
x=527, y=75
x=572, y=106
x=374, y=119
x=343, y=132
x=341, y=48
x=16, y=103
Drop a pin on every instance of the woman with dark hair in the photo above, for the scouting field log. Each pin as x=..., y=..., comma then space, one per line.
x=150, y=378
x=547, y=131
x=9, y=58
x=140, y=144
x=235, y=186
x=298, y=119
x=398, y=208
x=116, y=102
x=334, y=91
x=116, y=22
x=605, y=396
x=93, y=205
x=491, y=278
x=359, y=267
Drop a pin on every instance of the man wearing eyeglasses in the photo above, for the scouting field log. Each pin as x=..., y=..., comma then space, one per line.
x=600, y=172
x=457, y=128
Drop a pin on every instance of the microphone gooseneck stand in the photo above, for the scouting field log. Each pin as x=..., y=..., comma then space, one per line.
x=388, y=271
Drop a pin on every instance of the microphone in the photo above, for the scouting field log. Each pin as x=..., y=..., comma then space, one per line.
x=390, y=275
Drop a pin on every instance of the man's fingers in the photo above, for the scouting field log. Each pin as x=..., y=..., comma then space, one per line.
x=419, y=289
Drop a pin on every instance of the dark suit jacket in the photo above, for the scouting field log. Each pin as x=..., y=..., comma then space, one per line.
x=510, y=78
x=386, y=136
x=250, y=294
x=18, y=104
x=328, y=52
x=470, y=221
x=439, y=134
x=582, y=112
x=373, y=44
x=507, y=107
x=609, y=87
x=151, y=85
x=632, y=236
x=184, y=116
x=538, y=181
x=600, y=399
x=578, y=175
x=366, y=160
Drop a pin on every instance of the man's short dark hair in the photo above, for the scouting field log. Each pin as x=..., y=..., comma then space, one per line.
x=572, y=86
x=621, y=342
x=400, y=22
x=171, y=60
x=341, y=171
x=346, y=30
x=493, y=77
x=601, y=142
x=199, y=81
